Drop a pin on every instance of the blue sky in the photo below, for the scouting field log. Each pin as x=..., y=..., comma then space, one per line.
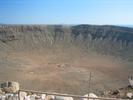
x=116, y=12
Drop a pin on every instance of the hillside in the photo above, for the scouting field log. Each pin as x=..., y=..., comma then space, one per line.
x=120, y=39
x=43, y=55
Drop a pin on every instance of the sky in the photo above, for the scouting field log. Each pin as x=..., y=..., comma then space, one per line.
x=101, y=12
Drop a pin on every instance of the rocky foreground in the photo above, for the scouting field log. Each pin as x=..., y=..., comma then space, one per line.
x=11, y=91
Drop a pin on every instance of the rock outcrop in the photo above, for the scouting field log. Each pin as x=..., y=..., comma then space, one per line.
x=9, y=87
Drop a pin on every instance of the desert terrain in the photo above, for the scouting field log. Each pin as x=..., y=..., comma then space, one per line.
x=60, y=58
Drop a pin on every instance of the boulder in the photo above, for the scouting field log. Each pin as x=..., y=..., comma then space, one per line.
x=10, y=87
x=129, y=95
x=1, y=91
x=22, y=95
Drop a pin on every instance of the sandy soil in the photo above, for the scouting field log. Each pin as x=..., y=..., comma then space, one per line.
x=66, y=72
